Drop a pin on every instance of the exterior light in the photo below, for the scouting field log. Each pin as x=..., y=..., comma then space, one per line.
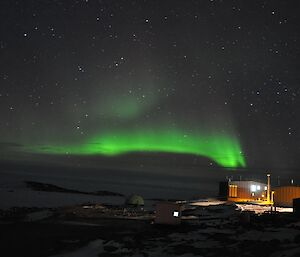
x=258, y=187
x=175, y=213
x=266, y=188
x=253, y=188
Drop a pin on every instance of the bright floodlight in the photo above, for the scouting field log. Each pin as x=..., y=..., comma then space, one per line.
x=258, y=187
x=176, y=214
x=253, y=188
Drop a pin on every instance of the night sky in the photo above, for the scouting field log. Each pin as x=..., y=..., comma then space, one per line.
x=212, y=79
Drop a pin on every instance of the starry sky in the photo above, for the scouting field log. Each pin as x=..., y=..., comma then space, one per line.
x=206, y=78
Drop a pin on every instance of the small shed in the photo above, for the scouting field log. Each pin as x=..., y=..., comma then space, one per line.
x=135, y=200
x=296, y=207
x=168, y=213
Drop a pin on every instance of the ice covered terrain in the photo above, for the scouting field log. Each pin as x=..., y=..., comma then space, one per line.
x=217, y=237
x=12, y=187
x=73, y=229
x=217, y=232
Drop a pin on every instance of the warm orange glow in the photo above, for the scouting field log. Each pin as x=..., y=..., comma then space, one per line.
x=232, y=190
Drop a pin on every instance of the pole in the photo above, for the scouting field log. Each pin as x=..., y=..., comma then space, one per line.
x=268, y=188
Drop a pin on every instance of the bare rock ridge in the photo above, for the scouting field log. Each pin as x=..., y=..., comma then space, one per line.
x=39, y=186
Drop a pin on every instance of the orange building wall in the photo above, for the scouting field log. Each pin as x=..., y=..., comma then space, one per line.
x=284, y=195
x=244, y=191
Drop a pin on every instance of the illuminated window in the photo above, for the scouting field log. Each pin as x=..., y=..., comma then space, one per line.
x=175, y=213
x=253, y=188
x=257, y=187
x=232, y=191
x=252, y=194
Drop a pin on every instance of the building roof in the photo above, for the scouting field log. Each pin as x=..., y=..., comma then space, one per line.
x=286, y=186
x=246, y=181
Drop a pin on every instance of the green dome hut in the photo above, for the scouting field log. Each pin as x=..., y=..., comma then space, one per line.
x=135, y=200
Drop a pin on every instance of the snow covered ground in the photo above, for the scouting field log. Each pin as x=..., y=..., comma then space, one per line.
x=216, y=240
x=206, y=202
x=216, y=233
x=258, y=209
x=12, y=187
x=25, y=197
x=149, y=185
x=215, y=229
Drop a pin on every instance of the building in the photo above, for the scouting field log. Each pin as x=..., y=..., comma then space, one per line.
x=168, y=213
x=284, y=195
x=296, y=207
x=244, y=191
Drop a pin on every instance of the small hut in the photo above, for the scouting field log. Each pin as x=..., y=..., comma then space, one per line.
x=168, y=213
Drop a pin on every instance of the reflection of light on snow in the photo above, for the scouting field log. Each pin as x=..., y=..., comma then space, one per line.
x=258, y=209
x=207, y=202
x=284, y=209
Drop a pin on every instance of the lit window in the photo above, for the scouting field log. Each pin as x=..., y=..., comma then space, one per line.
x=258, y=187
x=252, y=194
x=176, y=213
x=253, y=188
x=232, y=190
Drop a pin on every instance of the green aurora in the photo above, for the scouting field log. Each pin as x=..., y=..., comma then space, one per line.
x=223, y=149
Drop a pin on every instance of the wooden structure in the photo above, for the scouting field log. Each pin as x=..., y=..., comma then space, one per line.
x=168, y=213
x=284, y=195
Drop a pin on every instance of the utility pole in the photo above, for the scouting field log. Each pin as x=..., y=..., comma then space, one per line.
x=268, y=188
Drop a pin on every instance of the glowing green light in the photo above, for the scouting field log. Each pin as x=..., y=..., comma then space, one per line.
x=126, y=107
x=223, y=149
